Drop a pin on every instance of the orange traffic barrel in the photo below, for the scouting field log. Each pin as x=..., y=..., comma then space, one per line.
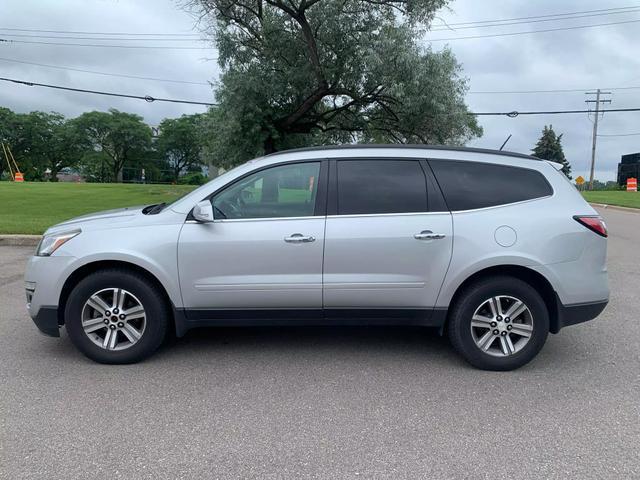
x=632, y=184
x=19, y=177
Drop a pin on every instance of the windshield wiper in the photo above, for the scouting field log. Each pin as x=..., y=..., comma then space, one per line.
x=153, y=209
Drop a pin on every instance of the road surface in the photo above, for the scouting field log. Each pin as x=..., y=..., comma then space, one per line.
x=326, y=403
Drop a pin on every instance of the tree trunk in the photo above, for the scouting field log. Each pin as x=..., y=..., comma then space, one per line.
x=213, y=171
x=269, y=145
x=54, y=173
x=118, y=175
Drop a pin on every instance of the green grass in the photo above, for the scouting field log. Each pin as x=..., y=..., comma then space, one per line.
x=32, y=207
x=621, y=198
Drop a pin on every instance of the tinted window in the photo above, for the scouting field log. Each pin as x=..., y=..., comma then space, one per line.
x=469, y=185
x=283, y=191
x=381, y=186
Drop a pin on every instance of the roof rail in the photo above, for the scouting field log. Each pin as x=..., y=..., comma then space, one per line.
x=402, y=145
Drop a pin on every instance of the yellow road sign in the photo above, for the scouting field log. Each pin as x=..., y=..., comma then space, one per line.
x=579, y=180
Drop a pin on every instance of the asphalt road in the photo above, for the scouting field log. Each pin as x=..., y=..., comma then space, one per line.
x=326, y=403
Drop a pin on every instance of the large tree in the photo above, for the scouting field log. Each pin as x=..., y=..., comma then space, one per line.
x=122, y=137
x=297, y=72
x=180, y=143
x=48, y=143
x=549, y=147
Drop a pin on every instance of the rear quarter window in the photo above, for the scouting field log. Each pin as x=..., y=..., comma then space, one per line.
x=470, y=185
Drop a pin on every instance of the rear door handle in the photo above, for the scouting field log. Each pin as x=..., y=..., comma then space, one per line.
x=299, y=238
x=428, y=235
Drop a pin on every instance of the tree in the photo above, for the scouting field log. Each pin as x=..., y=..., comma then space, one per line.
x=48, y=143
x=330, y=71
x=122, y=137
x=549, y=147
x=180, y=143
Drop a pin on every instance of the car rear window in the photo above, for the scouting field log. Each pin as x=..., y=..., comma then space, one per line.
x=470, y=185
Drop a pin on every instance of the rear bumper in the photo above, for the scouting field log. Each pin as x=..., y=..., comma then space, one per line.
x=47, y=321
x=576, y=313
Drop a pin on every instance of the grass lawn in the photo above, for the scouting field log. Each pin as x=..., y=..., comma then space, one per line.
x=621, y=198
x=32, y=207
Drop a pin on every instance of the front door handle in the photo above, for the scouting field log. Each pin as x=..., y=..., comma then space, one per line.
x=299, y=238
x=428, y=235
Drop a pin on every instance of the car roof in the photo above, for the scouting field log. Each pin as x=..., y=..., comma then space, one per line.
x=440, y=148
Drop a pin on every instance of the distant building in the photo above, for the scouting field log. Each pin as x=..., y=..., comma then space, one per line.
x=629, y=166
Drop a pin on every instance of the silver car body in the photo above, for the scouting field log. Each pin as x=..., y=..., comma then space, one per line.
x=357, y=262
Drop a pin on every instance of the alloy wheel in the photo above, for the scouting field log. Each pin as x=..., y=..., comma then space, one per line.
x=502, y=325
x=114, y=319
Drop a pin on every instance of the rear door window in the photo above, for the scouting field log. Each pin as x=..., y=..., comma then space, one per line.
x=381, y=186
x=470, y=185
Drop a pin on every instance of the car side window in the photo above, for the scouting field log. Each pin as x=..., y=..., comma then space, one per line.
x=381, y=186
x=281, y=191
x=470, y=185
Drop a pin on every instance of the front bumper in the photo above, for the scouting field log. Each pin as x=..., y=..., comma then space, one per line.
x=44, y=278
x=576, y=313
x=47, y=321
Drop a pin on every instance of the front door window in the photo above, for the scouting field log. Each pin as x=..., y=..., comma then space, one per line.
x=277, y=192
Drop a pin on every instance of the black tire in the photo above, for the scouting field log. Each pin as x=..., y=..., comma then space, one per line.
x=155, y=306
x=459, y=322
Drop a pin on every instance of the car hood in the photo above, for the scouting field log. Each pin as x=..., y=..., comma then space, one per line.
x=98, y=219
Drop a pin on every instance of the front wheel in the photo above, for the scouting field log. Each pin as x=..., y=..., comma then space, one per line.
x=499, y=323
x=116, y=316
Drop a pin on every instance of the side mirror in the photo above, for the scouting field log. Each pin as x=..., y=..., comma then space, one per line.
x=203, y=212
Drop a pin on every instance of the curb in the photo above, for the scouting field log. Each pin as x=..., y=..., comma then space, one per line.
x=19, y=240
x=615, y=207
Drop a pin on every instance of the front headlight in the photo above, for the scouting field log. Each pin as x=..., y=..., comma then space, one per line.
x=50, y=243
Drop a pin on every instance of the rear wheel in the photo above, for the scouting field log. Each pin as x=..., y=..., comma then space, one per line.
x=116, y=316
x=499, y=323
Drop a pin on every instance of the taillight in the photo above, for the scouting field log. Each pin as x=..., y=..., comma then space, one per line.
x=593, y=223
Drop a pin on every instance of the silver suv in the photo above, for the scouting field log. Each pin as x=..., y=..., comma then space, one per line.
x=494, y=248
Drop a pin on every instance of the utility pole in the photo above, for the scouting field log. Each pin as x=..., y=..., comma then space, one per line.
x=597, y=101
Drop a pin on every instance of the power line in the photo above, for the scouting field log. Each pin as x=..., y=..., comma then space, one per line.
x=565, y=90
x=492, y=92
x=503, y=23
x=511, y=34
x=160, y=47
x=102, y=73
x=120, y=39
x=516, y=113
x=170, y=47
x=541, y=16
x=619, y=134
x=164, y=34
x=100, y=33
x=147, y=98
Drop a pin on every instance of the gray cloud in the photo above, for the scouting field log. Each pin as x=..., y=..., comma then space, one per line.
x=588, y=58
x=596, y=57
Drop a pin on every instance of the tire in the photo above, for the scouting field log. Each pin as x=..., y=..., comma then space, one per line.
x=136, y=336
x=476, y=300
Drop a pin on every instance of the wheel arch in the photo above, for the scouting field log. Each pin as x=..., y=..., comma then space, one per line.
x=95, y=266
x=533, y=278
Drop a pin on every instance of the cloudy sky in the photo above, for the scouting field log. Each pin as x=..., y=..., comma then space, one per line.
x=576, y=59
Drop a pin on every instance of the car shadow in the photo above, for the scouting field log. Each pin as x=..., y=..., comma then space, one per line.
x=317, y=345
x=295, y=340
